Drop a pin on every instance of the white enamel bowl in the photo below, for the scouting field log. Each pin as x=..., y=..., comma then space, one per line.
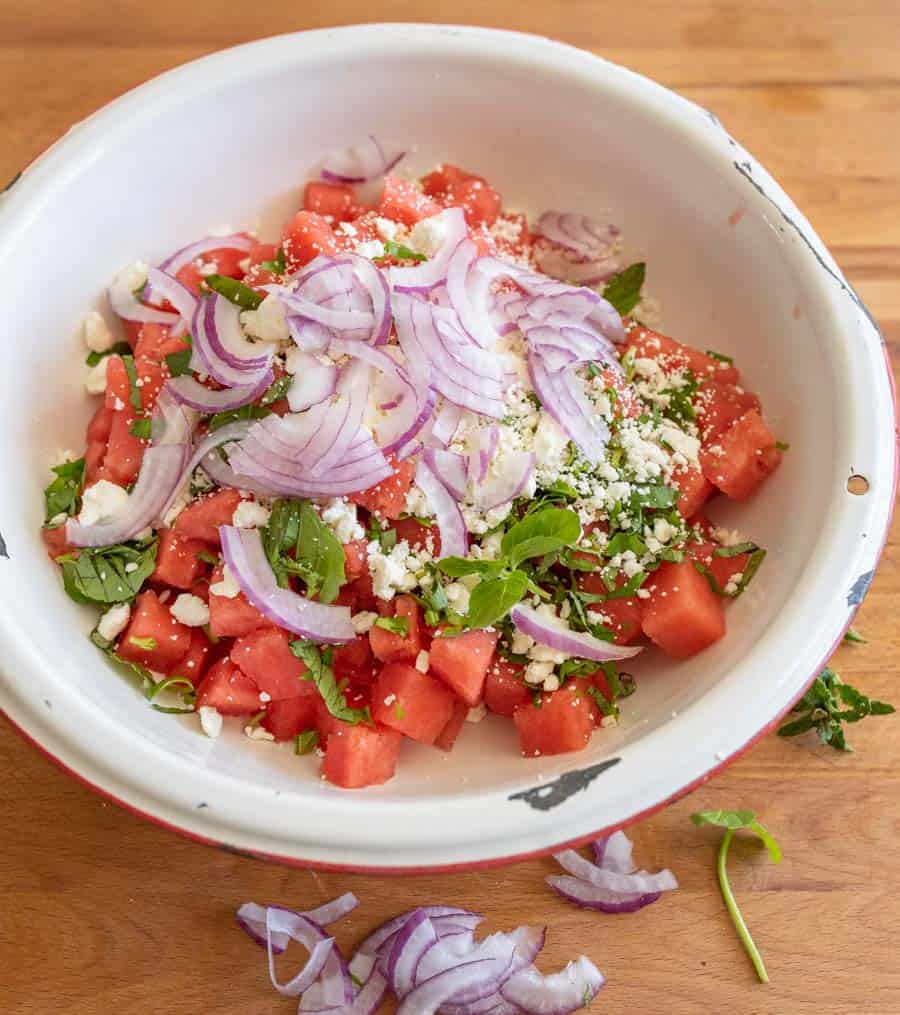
x=228, y=139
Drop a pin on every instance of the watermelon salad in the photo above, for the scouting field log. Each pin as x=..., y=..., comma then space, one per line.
x=420, y=460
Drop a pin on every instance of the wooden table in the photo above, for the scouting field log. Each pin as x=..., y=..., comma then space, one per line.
x=102, y=912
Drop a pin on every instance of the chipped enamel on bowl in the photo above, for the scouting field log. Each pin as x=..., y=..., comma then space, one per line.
x=229, y=139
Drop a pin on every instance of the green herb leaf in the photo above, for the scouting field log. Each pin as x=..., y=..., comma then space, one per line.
x=141, y=427
x=278, y=265
x=853, y=637
x=319, y=555
x=180, y=362
x=123, y=665
x=134, y=391
x=459, y=567
x=546, y=531
x=396, y=625
x=277, y=390
x=732, y=821
x=782, y=445
x=306, y=742
x=736, y=550
x=207, y=557
x=100, y=576
x=401, y=252
x=822, y=709
x=493, y=598
x=235, y=292
x=147, y=644
x=720, y=356
x=119, y=349
x=63, y=495
x=624, y=289
x=321, y=674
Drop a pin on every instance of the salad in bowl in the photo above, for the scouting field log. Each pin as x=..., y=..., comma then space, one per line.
x=423, y=459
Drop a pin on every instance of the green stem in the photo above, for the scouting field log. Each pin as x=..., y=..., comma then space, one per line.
x=734, y=912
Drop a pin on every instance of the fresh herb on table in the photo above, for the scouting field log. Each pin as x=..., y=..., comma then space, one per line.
x=318, y=669
x=101, y=575
x=733, y=821
x=853, y=637
x=624, y=289
x=823, y=709
x=543, y=534
x=235, y=292
x=63, y=495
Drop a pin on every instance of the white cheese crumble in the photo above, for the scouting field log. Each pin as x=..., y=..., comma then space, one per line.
x=388, y=230
x=210, y=721
x=458, y=597
x=227, y=587
x=190, y=610
x=521, y=643
x=371, y=249
x=363, y=621
x=250, y=515
x=114, y=621
x=258, y=733
x=182, y=499
x=417, y=503
x=427, y=235
x=340, y=516
x=95, y=378
x=97, y=336
x=132, y=276
x=400, y=570
x=60, y=456
x=102, y=502
x=537, y=672
x=422, y=660
x=268, y=322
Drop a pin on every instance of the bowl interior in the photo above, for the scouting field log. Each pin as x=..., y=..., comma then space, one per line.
x=230, y=141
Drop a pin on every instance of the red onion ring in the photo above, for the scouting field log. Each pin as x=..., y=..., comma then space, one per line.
x=246, y=559
x=361, y=164
x=449, y=468
x=562, y=395
x=188, y=391
x=577, y=232
x=423, y=277
x=558, y=994
x=556, y=634
x=495, y=491
x=220, y=348
x=446, y=423
x=124, y=303
x=313, y=383
x=175, y=262
x=451, y=524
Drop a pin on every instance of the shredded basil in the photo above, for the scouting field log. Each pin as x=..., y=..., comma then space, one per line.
x=63, y=495
x=401, y=252
x=319, y=671
x=141, y=427
x=235, y=292
x=624, y=289
x=134, y=390
x=119, y=349
x=306, y=742
x=100, y=576
x=396, y=625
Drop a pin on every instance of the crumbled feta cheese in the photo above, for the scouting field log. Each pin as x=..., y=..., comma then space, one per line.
x=182, y=499
x=520, y=643
x=371, y=249
x=400, y=570
x=60, y=456
x=387, y=229
x=476, y=714
x=422, y=660
x=340, y=516
x=550, y=445
x=97, y=336
x=545, y=654
x=132, y=276
x=664, y=530
x=390, y=699
x=268, y=322
x=551, y=683
x=734, y=583
x=427, y=235
x=210, y=721
x=265, y=697
x=609, y=721
x=114, y=621
x=458, y=596
x=417, y=503
x=258, y=733
x=727, y=537
x=250, y=515
x=190, y=610
x=60, y=519
x=95, y=379
x=101, y=502
x=681, y=442
x=643, y=593
x=227, y=587
x=537, y=672
x=363, y=621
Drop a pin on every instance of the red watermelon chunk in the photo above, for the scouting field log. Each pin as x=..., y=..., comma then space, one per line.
x=462, y=662
x=683, y=615
x=358, y=756
x=411, y=702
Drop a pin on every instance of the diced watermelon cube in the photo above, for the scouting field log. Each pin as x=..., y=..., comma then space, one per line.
x=358, y=756
x=479, y=201
x=403, y=202
x=286, y=718
x=177, y=560
x=201, y=520
x=232, y=616
x=564, y=721
x=683, y=615
x=331, y=200
x=354, y=661
x=718, y=405
x=305, y=237
x=741, y=457
x=388, y=646
x=419, y=536
x=674, y=355
x=622, y=616
x=228, y=690
x=265, y=656
x=412, y=702
x=694, y=489
x=356, y=555
x=462, y=662
x=504, y=687
x=447, y=737
x=388, y=498
x=193, y=664
x=153, y=638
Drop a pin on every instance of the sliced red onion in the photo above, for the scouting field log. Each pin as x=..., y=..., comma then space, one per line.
x=614, y=853
x=409, y=945
x=446, y=423
x=181, y=298
x=124, y=303
x=220, y=348
x=577, y=232
x=480, y=457
x=313, y=382
x=336, y=320
x=450, y=469
x=614, y=881
x=161, y=470
x=421, y=278
x=175, y=262
x=381, y=936
x=576, y=271
x=246, y=559
x=511, y=482
x=461, y=371
x=451, y=524
x=558, y=994
x=587, y=896
x=561, y=393
x=375, y=284
x=190, y=392
x=430, y=994
x=469, y=294
x=556, y=634
x=308, y=335
x=362, y=163
x=222, y=474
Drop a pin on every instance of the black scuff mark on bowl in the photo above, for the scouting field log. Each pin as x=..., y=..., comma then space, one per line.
x=745, y=168
x=3, y=551
x=860, y=587
x=552, y=794
x=226, y=848
x=202, y=805
x=48, y=703
x=12, y=182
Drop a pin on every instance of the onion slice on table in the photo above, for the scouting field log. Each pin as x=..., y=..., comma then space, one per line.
x=246, y=559
x=556, y=634
x=613, y=884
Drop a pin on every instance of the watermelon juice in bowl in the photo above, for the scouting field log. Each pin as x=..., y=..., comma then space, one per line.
x=414, y=503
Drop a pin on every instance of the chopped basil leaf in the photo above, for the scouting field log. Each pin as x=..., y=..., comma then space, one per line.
x=594, y=370
x=277, y=390
x=134, y=391
x=99, y=576
x=396, y=625
x=207, y=557
x=493, y=598
x=147, y=644
x=399, y=711
x=401, y=252
x=235, y=292
x=546, y=531
x=853, y=637
x=280, y=535
x=736, y=550
x=63, y=495
x=141, y=427
x=720, y=356
x=180, y=362
x=306, y=742
x=119, y=349
x=782, y=445
x=133, y=669
x=624, y=289
x=278, y=265
x=606, y=707
x=622, y=542
x=319, y=555
x=319, y=671
x=459, y=567
x=628, y=359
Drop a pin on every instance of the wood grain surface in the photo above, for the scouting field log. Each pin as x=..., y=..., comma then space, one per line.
x=103, y=913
